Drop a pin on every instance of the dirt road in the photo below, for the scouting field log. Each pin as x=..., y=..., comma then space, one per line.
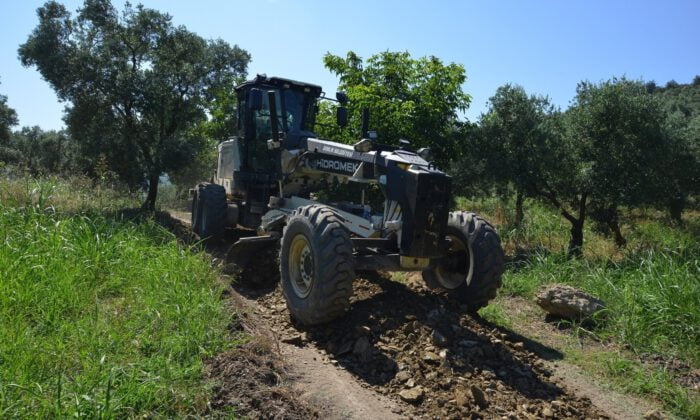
x=402, y=351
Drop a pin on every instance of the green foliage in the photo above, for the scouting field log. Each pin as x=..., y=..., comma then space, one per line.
x=38, y=151
x=200, y=168
x=137, y=85
x=680, y=163
x=513, y=134
x=101, y=317
x=651, y=288
x=513, y=141
x=620, y=130
x=618, y=126
x=413, y=99
x=8, y=118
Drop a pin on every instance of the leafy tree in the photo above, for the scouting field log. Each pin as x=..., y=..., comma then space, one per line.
x=414, y=99
x=619, y=128
x=565, y=180
x=514, y=141
x=680, y=162
x=8, y=118
x=136, y=85
x=40, y=151
x=221, y=125
x=651, y=86
x=600, y=154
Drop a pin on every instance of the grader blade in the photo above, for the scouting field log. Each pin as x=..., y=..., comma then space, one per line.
x=245, y=249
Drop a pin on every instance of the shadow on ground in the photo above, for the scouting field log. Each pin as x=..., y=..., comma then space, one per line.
x=392, y=328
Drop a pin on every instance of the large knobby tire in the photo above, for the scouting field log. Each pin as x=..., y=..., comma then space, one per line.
x=472, y=270
x=316, y=265
x=211, y=211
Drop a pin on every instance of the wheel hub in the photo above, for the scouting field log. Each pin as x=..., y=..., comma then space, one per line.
x=456, y=267
x=301, y=266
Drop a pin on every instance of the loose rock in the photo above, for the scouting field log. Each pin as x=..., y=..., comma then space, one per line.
x=568, y=302
x=403, y=376
x=461, y=397
x=412, y=395
x=431, y=357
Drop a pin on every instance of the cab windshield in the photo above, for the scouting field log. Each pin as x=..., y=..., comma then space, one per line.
x=295, y=115
x=292, y=113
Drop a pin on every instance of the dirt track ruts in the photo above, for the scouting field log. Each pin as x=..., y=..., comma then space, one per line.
x=404, y=351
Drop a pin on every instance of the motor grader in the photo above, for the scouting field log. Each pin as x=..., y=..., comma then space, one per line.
x=268, y=180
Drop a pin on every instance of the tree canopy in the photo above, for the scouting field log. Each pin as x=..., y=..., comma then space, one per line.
x=136, y=85
x=514, y=141
x=681, y=162
x=8, y=118
x=414, y=99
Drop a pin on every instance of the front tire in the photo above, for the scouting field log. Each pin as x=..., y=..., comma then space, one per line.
x=472, y=269
x=316, y=265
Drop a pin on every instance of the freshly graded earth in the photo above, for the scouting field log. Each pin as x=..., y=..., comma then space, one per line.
x=401, y=351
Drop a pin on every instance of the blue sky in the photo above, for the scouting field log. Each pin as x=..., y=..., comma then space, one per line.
x=546, y=46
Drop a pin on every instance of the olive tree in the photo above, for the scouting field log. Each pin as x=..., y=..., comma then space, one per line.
x=135, y=84
x=618, y=126
x=513, y=140
x=8, y=118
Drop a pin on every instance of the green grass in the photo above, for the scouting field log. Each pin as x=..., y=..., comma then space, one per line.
x=651, y=288
x=635, y=378
x=100, y=317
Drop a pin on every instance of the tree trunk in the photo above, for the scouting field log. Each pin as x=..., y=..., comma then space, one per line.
x=519, y=214
x=675, y=207
x=150, y=203
x=614, y=225
x=576, y=240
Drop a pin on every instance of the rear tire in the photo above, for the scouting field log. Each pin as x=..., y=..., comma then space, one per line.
x=316, y=265
x=195, y=215
x=211, y=211
x=473, y=268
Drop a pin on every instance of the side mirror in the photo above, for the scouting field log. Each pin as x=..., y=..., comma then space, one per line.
x=341, y=116
x=255, y=99
x=342, y=97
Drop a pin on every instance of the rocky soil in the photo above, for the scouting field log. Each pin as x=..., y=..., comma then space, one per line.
x=422, y=349
x=401, y=351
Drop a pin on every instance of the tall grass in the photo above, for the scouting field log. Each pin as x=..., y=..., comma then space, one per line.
x=99, y=317
x=651, y=287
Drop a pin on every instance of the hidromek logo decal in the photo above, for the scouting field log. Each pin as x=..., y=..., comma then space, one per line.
x=347, y=167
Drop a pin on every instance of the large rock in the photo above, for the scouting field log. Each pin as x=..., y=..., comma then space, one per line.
x=568, y=302
x=412, y=395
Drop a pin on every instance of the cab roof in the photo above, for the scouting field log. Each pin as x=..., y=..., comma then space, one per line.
x=262, y=79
